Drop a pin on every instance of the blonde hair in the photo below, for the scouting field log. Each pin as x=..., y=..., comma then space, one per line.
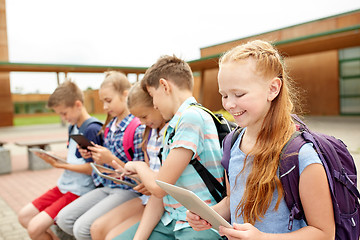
x=117, y=81
x=67, y=94
x=170, y=68
x=276, y=130
x=138, y=97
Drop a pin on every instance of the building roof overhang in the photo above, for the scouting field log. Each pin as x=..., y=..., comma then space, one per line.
x=37, y=67
x=331, y=40
x=325, y=41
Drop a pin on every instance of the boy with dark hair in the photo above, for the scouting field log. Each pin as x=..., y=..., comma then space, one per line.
x=67, y=100
x=191, y=134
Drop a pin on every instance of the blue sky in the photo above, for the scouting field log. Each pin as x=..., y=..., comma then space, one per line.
x=136, y=33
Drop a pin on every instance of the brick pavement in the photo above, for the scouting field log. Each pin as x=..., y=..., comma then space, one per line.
x=10, y=229
x=18, y=189
x=22, y=186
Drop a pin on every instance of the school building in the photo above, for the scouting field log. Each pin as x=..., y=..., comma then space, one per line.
x=323, y=57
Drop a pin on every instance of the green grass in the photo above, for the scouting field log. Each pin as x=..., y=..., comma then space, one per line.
x=46, y=119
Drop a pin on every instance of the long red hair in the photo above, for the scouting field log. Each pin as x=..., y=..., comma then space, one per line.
x=276, y=130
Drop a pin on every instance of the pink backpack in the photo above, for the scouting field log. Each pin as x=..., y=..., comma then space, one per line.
x=128, y=141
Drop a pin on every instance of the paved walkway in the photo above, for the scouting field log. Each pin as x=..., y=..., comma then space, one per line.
x=22, y=185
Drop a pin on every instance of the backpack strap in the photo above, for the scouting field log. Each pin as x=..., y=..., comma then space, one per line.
x=288, y=161
x=289, y=177
x=342, y=177
x=215, y=188
x=210, y=181
x=223, y=127
x=146, y=152
x=87, y=122
x=128, y=139
x=85, y=125
x=228, y=142
x=106, y=132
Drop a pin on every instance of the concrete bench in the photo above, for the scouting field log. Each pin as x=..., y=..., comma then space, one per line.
x=36, y=163
x=5, y=159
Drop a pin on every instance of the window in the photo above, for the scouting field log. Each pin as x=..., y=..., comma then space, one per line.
x=349, y=65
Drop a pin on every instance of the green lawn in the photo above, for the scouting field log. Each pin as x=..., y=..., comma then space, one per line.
x=38, y=120
x=47, y=119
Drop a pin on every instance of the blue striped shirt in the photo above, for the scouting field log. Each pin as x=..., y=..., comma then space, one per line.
x=152, y=149
x=196, y=131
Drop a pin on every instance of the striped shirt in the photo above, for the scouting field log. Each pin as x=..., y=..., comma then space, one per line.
x=152, y=149
x=114, y=142
x=196, y=131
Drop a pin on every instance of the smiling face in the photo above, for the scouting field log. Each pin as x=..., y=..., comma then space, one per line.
x=114, y=103
x=149, y=116
x=246, y=95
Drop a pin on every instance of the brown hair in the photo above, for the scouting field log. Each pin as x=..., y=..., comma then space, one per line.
x=170, y=68
x=137, y=96
x=119, y=82
x=67, y=94
x=276, y=130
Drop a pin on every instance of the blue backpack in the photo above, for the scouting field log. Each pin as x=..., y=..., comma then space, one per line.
x=85, y=125
x=340, y=170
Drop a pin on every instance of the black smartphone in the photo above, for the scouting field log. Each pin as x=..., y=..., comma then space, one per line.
x=81, y=140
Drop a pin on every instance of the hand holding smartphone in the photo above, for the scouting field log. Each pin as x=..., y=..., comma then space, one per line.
x=81, y=140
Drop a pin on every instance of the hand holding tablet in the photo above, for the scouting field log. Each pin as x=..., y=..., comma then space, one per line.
x=112, y=175
x=42, y=151
x=193, y=203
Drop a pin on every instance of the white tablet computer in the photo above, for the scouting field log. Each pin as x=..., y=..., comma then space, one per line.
x=193, y=203
x=111, y=174
x=39, y=150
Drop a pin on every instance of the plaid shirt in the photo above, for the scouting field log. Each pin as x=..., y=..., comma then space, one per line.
x=114, y=142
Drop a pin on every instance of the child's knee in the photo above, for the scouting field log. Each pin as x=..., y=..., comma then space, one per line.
x=22, y=218
x=110, y=236
x=64, y=223
x=34, y=230
x=25, y=215
x=81, y=230
x=97, y=231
